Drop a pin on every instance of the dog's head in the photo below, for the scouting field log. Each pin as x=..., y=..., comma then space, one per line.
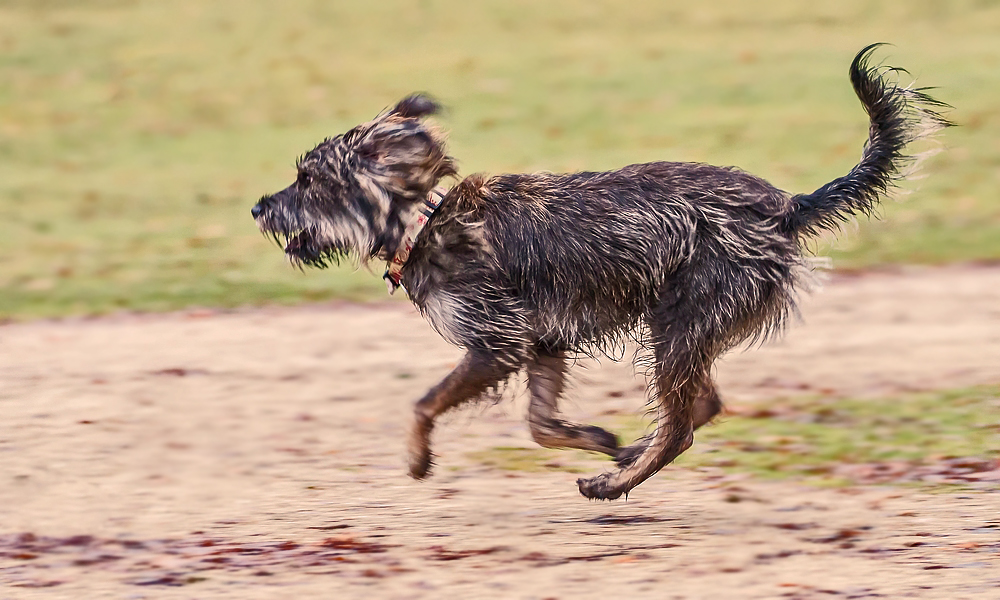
x=355, y=192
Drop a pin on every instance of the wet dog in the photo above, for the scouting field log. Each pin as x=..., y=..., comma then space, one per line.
x=527, y=271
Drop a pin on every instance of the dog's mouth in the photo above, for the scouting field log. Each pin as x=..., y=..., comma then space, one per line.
x=306, y=248
x=302, y=247
x=306, y=241
x=296, y=243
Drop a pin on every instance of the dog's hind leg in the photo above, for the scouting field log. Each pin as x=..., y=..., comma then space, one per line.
x=706, y=407
x=681, y=369
x=477, y=372
x=673, y=435
x=546, y=376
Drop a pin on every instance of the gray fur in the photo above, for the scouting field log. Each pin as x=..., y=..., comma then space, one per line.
x=526, y=270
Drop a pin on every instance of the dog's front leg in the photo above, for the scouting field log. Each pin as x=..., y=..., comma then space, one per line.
x=546, y=376
x=477, y=372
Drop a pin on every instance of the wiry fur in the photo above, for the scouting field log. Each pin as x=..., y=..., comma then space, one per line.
x=526, y=271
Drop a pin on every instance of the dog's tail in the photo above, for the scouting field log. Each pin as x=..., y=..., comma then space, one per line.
x=899, y=116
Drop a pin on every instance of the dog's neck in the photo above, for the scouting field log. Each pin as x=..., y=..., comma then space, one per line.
x=394, y=268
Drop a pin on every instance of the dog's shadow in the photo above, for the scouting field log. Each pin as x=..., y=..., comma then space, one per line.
x=617, y=520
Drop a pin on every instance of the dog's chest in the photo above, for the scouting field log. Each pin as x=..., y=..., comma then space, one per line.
x=444, y=312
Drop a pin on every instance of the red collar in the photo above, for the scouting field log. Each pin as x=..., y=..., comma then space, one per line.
x=394, y=268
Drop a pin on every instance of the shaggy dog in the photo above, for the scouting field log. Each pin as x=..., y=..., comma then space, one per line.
x=528, y=271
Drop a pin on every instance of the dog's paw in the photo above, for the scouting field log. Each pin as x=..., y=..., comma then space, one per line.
x=599, y=488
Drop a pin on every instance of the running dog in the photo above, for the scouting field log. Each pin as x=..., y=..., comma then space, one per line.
x=528, y=271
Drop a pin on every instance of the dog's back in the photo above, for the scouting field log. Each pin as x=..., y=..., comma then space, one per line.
x=582, y=257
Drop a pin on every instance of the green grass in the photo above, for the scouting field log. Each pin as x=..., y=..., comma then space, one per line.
x=809, y=438
x=135, y=135
x=528, y=459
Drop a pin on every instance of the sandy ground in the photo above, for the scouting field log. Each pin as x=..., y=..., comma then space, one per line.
x=259, y=454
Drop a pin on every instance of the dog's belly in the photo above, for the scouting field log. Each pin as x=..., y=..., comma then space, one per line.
x=577, y=323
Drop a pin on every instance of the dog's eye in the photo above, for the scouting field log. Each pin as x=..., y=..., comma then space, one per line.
x=304, y=179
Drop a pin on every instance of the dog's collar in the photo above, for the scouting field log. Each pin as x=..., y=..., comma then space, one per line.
x=394, y=268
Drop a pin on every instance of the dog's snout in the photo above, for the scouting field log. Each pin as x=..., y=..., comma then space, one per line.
x=256, y=210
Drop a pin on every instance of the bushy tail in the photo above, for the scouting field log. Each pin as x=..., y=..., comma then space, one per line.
x=898, y=116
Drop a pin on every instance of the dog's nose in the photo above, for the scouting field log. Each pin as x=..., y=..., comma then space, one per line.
x=256, y=210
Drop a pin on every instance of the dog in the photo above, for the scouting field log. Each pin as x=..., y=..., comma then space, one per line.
x=528, y=271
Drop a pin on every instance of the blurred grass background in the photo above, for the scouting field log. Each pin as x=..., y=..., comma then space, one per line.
x=136, y=135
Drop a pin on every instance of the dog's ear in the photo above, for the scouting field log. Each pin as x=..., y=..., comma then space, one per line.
x=403, y=158
x=416, y=106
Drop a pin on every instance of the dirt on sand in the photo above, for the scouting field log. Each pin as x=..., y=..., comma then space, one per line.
x=259, y=454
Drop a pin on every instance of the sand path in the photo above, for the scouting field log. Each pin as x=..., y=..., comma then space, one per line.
x=259, y=454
